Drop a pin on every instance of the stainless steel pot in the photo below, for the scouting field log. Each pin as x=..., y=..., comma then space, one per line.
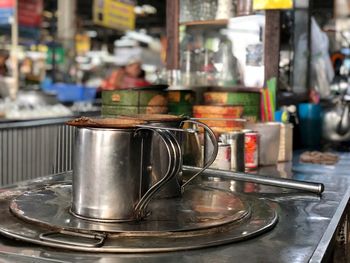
x=111, y=181
x=189, y=143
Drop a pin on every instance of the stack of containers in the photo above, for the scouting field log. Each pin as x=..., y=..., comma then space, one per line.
x=249, y=100
x=181, y=102
x=134, y=101
x=220, y=118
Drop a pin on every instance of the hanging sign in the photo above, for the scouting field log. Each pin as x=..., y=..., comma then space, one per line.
x=29, y=12
x=272, y=4
x=114, y=14
x=82, y=43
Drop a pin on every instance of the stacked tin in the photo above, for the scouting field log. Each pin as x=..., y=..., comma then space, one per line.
x=250, y=101
x=181, y=102
x=134, y=101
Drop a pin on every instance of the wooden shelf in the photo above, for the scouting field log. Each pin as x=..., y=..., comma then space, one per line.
x=219, y=22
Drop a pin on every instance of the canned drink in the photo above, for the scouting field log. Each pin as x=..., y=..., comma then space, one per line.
x=251, y=150
x=236, y=140
x=223, y=159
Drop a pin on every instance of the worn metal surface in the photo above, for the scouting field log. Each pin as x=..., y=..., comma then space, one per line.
x=199, y=208
x=204, y=217
x=305, y=231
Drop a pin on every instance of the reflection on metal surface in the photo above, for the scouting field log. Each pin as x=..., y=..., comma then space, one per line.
x=203, y=217
x=199, y=208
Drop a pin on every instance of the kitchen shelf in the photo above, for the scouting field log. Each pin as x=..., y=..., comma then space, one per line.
x=219, y=22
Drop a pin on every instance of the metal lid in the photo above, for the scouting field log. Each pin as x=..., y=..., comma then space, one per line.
x=105, y=122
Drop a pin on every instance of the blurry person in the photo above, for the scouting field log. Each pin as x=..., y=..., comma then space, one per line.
x=129, y=76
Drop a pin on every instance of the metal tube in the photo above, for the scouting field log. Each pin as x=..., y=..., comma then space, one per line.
x=317, y=188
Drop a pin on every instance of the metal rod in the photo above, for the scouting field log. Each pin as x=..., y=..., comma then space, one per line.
x=313, y=187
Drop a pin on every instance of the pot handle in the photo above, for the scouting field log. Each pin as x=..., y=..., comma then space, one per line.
x=344, y=124
x=215, y=149
x=174, y=166
x=67, y=238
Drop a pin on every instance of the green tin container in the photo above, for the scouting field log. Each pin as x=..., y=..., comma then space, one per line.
x=135, y=98
x=184, y=97
x=180, y=109
x=125, y=110
x=252, y=112
x=231, y=98
x=251, y=109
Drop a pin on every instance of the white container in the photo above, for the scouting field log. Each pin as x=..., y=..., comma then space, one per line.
x=285, y=153
x=246, y=34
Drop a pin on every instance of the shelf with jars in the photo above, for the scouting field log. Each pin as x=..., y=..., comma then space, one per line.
x=203, y=52
x=217, y=50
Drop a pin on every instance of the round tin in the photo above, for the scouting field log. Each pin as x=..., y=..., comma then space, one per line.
x=223, y=159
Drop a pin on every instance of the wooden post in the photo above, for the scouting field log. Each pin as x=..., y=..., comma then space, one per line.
x=172, y=29
x=14, y=56
x=272, y=43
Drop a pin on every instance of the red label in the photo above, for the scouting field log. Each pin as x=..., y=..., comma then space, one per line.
x=29, y=12
x=251, y=151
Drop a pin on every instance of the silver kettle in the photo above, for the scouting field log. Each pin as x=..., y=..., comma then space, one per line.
x=336, y=121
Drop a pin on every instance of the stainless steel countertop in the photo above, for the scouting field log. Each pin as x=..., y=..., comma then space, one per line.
x=305, y=231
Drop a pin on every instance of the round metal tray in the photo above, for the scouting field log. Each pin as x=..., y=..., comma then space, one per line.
x=203, y=217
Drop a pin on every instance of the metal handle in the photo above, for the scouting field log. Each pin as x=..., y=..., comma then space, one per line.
x=215, y=150
x=100, y=238
x=312, y=187
x=344, y=124
x=174, y=166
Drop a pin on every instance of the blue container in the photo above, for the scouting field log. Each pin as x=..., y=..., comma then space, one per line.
x=71, y=92
x=89, y=93
x=68, y=92
x=310, y=124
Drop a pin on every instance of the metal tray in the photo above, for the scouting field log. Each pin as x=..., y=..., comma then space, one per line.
x=203, y=217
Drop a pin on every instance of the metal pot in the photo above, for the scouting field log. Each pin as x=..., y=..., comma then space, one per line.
x=111, y=181
x=336, y=122
x=189, y=143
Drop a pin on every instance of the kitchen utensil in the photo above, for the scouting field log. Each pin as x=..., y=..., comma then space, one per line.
x=111, y=182
x=188, y=140
x=312, y=187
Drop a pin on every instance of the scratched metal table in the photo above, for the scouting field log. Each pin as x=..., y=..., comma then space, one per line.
x=306, y=230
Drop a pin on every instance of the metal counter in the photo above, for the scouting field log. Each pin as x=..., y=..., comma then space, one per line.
x=306, y=231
